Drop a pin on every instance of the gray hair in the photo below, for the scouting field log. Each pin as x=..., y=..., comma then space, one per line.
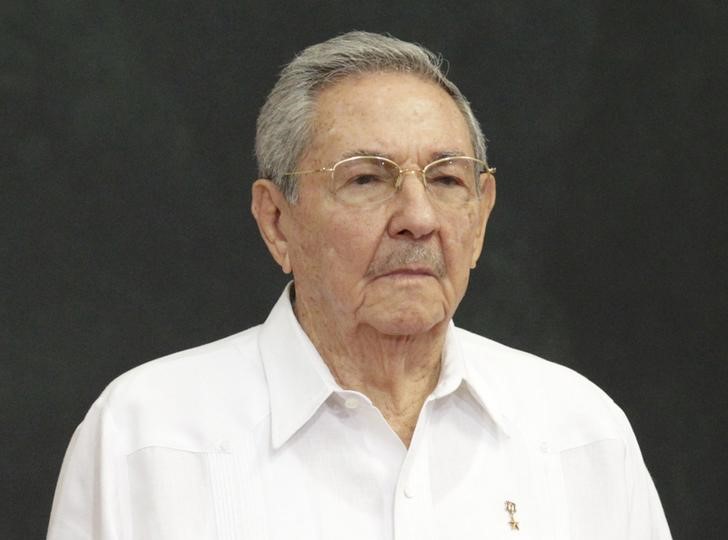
x=285, y=122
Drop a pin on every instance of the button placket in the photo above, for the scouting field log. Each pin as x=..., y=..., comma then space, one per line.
x=413, y=504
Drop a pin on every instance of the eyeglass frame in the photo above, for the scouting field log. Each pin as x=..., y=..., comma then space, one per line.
x=422, y=173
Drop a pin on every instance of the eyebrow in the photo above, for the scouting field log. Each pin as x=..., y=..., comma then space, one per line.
x=365, y=152
x=433, y=157
x=447, y=154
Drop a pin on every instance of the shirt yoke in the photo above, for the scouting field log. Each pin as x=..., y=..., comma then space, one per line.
x=548, y=403
x=190, y=399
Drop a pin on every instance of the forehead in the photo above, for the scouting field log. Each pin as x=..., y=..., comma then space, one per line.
x=401, y=115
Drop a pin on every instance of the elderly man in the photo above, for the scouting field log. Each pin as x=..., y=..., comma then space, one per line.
x=358, y=410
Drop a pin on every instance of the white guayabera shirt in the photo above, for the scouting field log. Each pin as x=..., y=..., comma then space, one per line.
x=251, y=438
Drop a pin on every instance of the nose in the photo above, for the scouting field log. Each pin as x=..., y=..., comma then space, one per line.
x=413, y=214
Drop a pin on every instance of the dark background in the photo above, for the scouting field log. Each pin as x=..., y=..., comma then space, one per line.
x=126, y=162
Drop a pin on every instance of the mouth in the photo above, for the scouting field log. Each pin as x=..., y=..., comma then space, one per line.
x=409, y=272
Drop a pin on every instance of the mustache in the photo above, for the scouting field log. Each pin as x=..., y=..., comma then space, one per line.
x=409, y=255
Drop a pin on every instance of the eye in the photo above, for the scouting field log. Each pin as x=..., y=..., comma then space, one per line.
x=446, y=180
x=364, y=179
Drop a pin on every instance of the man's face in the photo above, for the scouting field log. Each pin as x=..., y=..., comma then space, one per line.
x=402, y=266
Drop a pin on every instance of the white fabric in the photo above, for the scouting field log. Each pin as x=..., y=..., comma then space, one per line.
x=251, y=438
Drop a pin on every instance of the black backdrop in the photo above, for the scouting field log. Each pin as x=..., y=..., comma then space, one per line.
x=127, y=133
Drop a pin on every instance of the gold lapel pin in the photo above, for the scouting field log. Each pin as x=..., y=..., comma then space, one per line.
x=511, y=509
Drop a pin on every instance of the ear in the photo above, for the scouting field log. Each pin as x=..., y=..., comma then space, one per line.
x=268, y=207
x=486, y=203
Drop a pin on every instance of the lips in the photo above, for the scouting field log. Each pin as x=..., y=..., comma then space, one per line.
x=411, y=272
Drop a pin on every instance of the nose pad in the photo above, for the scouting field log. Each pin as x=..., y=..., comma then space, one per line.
x=417, y=172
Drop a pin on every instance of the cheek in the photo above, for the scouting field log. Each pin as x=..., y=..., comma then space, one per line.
x=352, y=241
x=462, y=236
x=341, y=244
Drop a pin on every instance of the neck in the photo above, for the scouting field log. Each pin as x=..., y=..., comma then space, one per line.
x=396, y=373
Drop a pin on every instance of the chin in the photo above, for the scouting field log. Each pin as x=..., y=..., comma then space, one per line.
x=408, y=322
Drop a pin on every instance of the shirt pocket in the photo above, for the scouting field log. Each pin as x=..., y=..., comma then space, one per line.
x=179, y=494
x=595, y=489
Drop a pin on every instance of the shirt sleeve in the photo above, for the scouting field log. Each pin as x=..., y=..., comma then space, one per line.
x=609, y=494
x=646, y=518
x=90, y=494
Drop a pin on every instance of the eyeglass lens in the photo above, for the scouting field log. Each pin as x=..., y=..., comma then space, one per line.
x=364, y=180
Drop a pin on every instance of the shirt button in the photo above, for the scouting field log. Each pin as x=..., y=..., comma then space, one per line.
x=351, y=403
x=409, y=492
x=544, y=446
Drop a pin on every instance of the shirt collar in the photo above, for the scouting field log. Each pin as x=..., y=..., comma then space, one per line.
x=299, y=381
x=457, y=372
